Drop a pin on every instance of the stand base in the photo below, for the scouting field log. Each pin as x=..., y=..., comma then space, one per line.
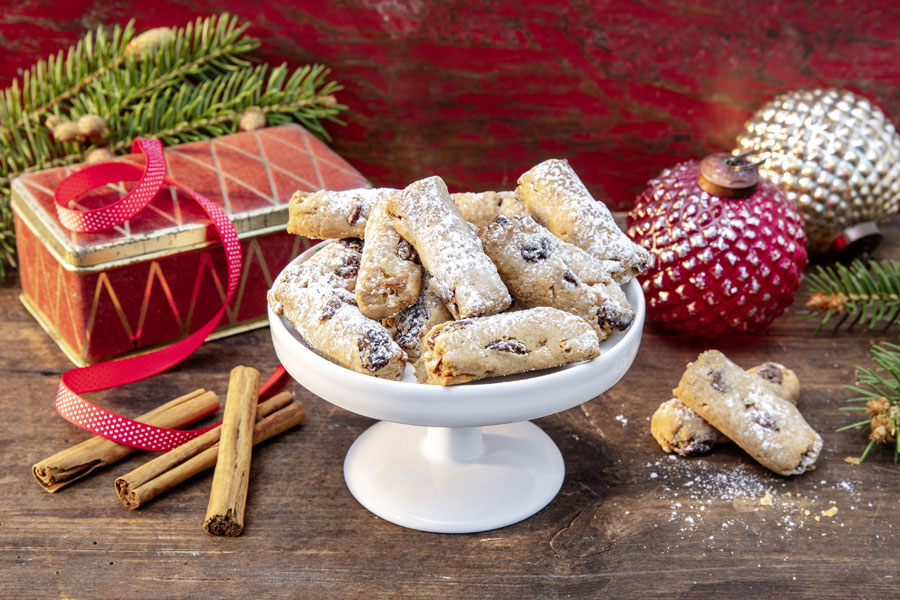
x=454, y=480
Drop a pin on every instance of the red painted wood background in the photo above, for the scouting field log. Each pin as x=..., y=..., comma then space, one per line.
x=478, y=91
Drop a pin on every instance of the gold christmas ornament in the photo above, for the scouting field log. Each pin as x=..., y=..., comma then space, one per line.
x=252, y=119
x=838, y=158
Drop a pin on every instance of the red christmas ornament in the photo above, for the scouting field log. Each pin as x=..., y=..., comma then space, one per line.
x=728, y=249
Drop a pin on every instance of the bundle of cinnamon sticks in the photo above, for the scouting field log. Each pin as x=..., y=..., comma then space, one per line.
x=227, y=447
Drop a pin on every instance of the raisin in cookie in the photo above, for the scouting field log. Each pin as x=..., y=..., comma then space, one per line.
x=531, y=264
x=467, y=280
x=329, y=214
x=325, y=314
x=782, y=380
x=679, y=429
x=390, y=276
x=745, y=409
x=480, y=208
x=536, y=338
x=411, y=324
x=558, y=200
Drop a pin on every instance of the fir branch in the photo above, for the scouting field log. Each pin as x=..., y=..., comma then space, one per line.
x=867, y=292
x=180, y=84
x=882, y=398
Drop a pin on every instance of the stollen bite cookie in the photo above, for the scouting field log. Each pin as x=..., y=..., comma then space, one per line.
x=390, y=276
x=558, y=200
x=341, y=258
x=745, y=409
x=411, y=324
x=679, y=429
x=782, y=380
x=465, y=277
x=325, y=314
x=536, y=338
x=333, y=214
x=535, y=271
x=480, y=208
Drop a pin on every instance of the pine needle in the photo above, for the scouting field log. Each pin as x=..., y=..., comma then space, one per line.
x=865, y=292
x=882, y=398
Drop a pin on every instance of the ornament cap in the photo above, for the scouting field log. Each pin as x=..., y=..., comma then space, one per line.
x=856, y=241
x=728, y=176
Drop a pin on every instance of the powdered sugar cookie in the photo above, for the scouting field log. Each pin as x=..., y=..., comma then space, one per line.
x=536, y=338
x=333, y=214
x=558, y=200
x=530, y=262
x=465, y=277
x=390, y=276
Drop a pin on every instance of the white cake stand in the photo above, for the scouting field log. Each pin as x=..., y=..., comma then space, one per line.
x=463, y=458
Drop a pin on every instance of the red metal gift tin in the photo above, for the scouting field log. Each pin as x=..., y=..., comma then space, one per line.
x=159, y=276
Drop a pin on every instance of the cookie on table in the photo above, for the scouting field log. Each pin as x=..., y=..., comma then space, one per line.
x=411, y=324
x=504, y=344
x=782, y=380
x=744, y=408
x=333, y=214
x=341, y=258
x=466, y=279
x=534, y=269
x=679, y=429
x=558, y=200
x=390, y=276
x=480, y=208
x=326, y=316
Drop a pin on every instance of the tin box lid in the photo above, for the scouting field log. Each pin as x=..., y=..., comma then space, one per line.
x=251, y=175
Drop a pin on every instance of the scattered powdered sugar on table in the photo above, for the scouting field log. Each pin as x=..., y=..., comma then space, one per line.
x=621, y=419
x=693, y=488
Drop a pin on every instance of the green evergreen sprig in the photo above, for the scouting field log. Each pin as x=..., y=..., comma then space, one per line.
x=863, y=292
x=179, y=84
x=882, y=399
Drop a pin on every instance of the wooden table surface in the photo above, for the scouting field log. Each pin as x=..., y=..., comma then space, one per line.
x=628, y=522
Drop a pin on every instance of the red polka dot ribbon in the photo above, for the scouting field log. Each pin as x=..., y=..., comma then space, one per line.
x=75, y=382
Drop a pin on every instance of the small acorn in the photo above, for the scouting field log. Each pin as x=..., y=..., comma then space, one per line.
x=66, y=131
x=149, y=40
x=98, y=155
x=91, y=126
x=252, y=119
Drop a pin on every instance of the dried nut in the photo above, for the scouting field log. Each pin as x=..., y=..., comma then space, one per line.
x=252, y=119
x=91, y=125
x=149, y=40
x=67, y=131
x=98, y=155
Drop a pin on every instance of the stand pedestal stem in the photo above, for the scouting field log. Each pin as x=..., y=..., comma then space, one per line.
x=457, y=444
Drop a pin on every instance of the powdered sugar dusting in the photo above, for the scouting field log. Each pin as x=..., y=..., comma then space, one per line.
x=465, y=277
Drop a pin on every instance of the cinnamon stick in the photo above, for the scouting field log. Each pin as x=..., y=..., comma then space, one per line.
x=73, y=463
x=277, y=414
x=228, y=498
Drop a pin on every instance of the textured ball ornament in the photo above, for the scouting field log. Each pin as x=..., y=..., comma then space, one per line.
x=838, y=158
x=720, y=264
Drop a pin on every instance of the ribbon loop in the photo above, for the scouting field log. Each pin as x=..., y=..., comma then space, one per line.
x=70, y=405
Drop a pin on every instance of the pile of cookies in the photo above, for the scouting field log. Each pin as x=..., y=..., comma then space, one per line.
x=717, y=401
x=466, y=286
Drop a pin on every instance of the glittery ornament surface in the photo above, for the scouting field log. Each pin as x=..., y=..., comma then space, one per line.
x=719, y=265
x=835, y=155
